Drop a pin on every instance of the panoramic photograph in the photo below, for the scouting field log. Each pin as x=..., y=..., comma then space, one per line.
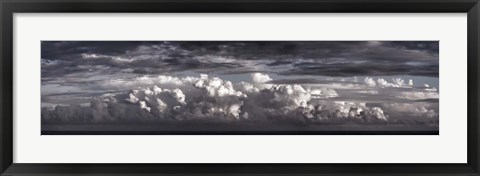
x=239, y=87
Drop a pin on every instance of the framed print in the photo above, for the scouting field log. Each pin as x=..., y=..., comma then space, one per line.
x=239, y=88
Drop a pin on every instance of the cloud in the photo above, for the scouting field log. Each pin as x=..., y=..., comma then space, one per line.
x=418, y=112
x=380, y=82
x=260, y=78
x=143, y=81
x=213, y=99
x=302, y=81
x=327, y=58
x=419, y=95
x=216, y=87
x=412, y=94
x=46, y=62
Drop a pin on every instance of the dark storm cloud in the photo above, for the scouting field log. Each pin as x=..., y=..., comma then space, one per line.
x=369, y=68
x=61, y=49
x=415, y=45
x=328, y=58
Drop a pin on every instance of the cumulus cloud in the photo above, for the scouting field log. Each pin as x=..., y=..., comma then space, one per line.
x=260, y=78
x=214, y=99
x=380, y=82
x=216, y=87
x=395, y=82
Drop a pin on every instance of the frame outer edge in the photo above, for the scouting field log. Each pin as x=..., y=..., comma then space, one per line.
x=3, y=165
x=473, y=75
x=477, y=134
x=6, y=89
x=473, y=54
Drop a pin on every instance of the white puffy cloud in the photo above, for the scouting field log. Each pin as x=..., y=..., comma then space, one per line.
x=260, y=78
x=334, y=110
x=288, y=96
x=216, y=87
x=369, y=81
x=398, y=82
x=132, y=98
x=143, y=105
x=380, y=82
x=211, y=98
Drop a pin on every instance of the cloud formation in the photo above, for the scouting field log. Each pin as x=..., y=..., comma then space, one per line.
x=212, y=99
x=327, y=58
x=259, y=82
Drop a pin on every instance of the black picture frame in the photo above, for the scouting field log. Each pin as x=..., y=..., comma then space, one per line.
x=9, y=7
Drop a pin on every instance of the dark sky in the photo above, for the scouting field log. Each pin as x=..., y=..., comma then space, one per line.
x=326, y=58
